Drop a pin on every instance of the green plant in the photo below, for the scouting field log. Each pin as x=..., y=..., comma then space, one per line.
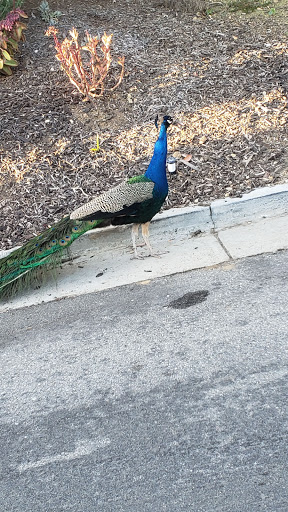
x=11, y=32
x=47, y=14
x=247, y=6
x=7, y=6
x=95, y=150
x=87, y=72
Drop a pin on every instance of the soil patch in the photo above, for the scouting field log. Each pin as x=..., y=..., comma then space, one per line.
x=222, y=77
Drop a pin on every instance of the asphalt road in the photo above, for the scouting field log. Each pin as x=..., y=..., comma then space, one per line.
x=169, y=395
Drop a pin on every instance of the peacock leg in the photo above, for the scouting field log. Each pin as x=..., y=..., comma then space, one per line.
x=145, y=234
x=134, y=234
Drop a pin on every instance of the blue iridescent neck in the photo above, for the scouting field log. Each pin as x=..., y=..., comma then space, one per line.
x=157, y=167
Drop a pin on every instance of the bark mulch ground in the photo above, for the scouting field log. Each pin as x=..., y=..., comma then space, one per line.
x=222, y=77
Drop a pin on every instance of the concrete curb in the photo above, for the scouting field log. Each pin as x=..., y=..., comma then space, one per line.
x=187, y=238
x=260, y=203
x=222, y=213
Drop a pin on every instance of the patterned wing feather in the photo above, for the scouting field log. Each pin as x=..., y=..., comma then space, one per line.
x=118, y=200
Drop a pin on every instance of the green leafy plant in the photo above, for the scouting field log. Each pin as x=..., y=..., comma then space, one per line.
x=7, y=6
x=47, y=14
x=86, y=67
x=11, y=32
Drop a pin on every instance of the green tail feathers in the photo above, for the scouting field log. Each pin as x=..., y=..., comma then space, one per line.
x=41, y=253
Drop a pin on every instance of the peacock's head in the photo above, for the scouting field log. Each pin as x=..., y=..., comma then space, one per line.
x=166, y=120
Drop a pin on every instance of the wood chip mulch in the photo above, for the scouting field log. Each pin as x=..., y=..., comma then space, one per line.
x=223, y=78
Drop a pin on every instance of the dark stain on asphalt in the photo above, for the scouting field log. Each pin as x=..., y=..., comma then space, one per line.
x=189, y=299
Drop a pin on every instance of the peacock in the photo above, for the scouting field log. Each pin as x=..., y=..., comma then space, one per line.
x=134, y=201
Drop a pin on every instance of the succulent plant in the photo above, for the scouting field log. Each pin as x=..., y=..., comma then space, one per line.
x=11, y=32
x=47, y=14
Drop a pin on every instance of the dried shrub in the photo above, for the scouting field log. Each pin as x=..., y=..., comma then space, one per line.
x=186, y=5
x=11, y=32
x=87, y=72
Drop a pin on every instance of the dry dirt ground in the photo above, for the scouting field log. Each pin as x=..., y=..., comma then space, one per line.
x=223, y=77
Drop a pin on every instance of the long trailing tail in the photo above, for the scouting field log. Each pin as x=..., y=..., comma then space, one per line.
x=43, y=252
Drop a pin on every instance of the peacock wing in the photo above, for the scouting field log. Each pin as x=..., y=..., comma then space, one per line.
x=120, y=200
